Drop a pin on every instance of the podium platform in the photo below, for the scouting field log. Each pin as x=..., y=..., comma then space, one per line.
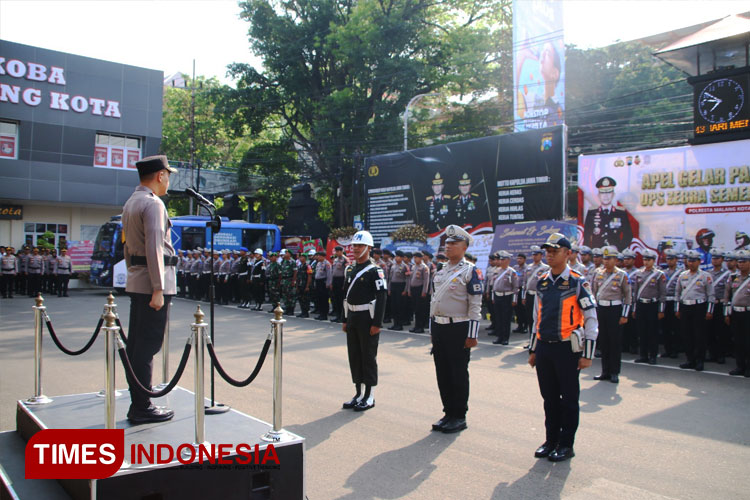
x=155, y=482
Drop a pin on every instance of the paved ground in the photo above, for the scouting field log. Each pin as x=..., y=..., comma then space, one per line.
x=661, y=433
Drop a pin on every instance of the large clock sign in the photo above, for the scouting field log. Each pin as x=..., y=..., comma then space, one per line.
x=721, y=106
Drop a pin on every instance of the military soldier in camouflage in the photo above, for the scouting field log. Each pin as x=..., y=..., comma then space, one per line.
x=273, y=280
x=288, y=274
x=304, y=285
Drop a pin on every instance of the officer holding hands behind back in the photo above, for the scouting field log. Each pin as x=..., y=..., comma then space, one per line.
x=455, y=312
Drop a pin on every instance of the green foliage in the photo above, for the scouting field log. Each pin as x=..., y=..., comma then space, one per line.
x=46, y=240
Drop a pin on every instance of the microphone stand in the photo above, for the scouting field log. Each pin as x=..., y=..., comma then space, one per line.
x=215, y=225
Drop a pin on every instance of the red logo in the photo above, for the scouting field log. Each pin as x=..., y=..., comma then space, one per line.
x=74, y=453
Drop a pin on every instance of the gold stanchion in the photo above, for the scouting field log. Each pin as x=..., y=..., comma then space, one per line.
x=276, y=433
x=38, y=398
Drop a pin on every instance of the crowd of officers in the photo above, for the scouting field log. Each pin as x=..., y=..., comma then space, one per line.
x=30, y=271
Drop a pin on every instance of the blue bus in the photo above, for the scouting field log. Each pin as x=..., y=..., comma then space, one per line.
x=188, y=232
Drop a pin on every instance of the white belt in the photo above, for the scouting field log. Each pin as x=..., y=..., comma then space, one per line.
x=740, y=309
x=671, y=299
x=531, y=292
x=693, y=302
x=444, y=320
x=647, y=301
x=610, y=302
x=357, y=307
x=504, y=294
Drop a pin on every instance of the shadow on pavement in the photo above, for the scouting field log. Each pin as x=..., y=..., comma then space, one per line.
x=317, y=431
x=599, y=395
x=544, y=480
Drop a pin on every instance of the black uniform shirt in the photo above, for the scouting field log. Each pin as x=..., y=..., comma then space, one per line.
x=370, y=286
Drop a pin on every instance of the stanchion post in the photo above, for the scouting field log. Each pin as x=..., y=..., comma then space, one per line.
x=110, y=306
x=276, y=433
x=110, y=342
x=38, y=398
x=199, y=329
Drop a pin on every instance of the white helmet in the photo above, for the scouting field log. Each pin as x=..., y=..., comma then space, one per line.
x=258, y=251
x=362, y=238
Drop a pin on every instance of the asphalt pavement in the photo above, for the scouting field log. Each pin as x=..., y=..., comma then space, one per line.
x=661, y=432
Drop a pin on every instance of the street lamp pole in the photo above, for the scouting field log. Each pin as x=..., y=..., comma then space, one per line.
x=406, y=115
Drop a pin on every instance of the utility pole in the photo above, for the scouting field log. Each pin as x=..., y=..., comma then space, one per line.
x=406, y=115
x=192, y=138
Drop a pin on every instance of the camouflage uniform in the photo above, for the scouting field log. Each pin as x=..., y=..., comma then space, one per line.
x=288, y=292
x=304, y=271
x=274, y=273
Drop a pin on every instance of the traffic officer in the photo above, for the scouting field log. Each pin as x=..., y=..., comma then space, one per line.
x=196, y=268
x=491, y=274
x=208, y=263
x=258, y=280
x=419, y=284
x=397, y=291
x=629, y=332
x=234, y=276
x=273, y=279
x=9, y=269
x=48, y=274
x=670, y=326
x=737, y=313
x=504, y=290
x=62, y=268
x=363, y=307
x=225, y=268
x=533, y=271
x=649, y=295
x=338, y=266
x=455, y=312
x=304, y=285
x=520, y=268
x=288, y=275
x=611, y=288
x=151, y=281
x=218, y=278
x=34, y=270
x=22, y=277
x=181, y=263
x=244, y=270
x=561, y=345
x=323, y=281
x=718, y=331
x=694, y=308
x=597, y=258
x=586, y=260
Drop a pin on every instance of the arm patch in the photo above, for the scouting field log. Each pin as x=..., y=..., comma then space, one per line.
x=474, y=286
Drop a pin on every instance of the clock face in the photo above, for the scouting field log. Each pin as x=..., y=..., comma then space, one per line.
x=721, y=100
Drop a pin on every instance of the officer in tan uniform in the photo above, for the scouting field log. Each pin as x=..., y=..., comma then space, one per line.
x=504, y=290
x=9, y=268
x=694, y=308
x=35, y=267
x=737, y=312
x=649, y=295
x=535, y=269
x=455, y=311
x=611, y=290
x=718, y=332
x=151, y=281
x=62, y=267
x=670, y=326
x=489, y=279
x=419, y=284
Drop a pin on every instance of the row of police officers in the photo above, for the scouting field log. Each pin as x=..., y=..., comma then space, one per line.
x=32, y=271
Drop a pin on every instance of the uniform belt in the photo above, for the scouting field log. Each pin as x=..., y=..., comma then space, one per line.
x=140, y=260
x=647, y=301
x=610, y=302
x=243, y=274
x=357, y=307
x=445, y=320
x=9, y=269
x=671, y=299
x=553, y=341
x=504, y=294
x=531, y=292
x=693, y=302
x=30, y=267
x=740, y=309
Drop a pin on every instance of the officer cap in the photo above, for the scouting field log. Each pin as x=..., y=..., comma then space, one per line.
x=363, y=238
x=408, y=255
x=258, y=251
x=693, y=255
x=377, y=251
x=557, y=240
x=730, y=256
x=584, y=250
x=311, y=253
x=273, y=254
x=465, y=180
x=337, y=248
x=502, y=254
x=628, y=254
x=574, y=248
x=606, y=184
x=207, y=250
x=199, y=249
x=718, y=253
x=399, y=253
x=215, y=252
x=152, y=164
x=437, y=180
x=493, y=256
x=521, y=254
x=609, y=252
x=681, y=255
x=670, y=253
x=283, y=251
x=649, y=254
x=536, y=249
x=320, y=252
x=226, y=250
x=742, y=255
x=418, y=254
x=243, y=249
x=180, y=251
x=428, y=254
x=386, y=252
x=620, y=257
x=235, y=252
x=457, y=233
x=441, y=256
x=597, y=252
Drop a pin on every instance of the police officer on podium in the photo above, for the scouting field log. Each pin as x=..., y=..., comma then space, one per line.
x=151, y=281
x=562, y=343
x=455, y=312
x=363, y=309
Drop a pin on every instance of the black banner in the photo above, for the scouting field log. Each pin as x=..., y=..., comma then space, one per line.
x=476, y=184
x=11, y=212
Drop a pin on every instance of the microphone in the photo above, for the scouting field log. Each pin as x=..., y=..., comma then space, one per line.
x=199, y=197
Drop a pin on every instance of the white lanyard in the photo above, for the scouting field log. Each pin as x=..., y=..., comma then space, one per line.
x=740, y=288
x=604, y=285
x=645, y=284
x=363, y=271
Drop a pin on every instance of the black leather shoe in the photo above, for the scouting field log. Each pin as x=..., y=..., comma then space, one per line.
x=492, y=333
x=497, y=341
x=335, y=320
x=687, y=365
x=737, y=371
x=545, y=449
x=699, y=366
x=321, y=318
x=396, y=328
x=561, y=453
x=303, y=315
x=615, y=379
x=364, y=404
x=351, y=403
x=438, y=426
x=603, y=376
x=488, y=328
x=652, y=361
x=519, y=330
x=417, y=330
x=454, y=425
x=641, y=360
x=151, y=414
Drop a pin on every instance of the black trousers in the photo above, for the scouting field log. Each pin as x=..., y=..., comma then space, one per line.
x=321, y=297
x=647, y=323
x=529, y=306
x=62, y=284
x=693, y=323
x=451, y=359
x=503, y=309
x=362, y=348
x=398, y=303
x=520, y=311
x=487, y=302
x=718, y=333
x=670, y=329
x=740, y=325
x=145, y=337
x=34, y=284
x=610, y=338
x=421, y=307
x=557, y=373
x=337, y=299
x=7, y=281
x=629, y=336
x=181, y=282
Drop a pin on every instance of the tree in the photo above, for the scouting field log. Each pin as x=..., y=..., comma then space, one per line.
x=337, y=74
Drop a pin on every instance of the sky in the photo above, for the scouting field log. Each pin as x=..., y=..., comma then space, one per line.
x=168, y=35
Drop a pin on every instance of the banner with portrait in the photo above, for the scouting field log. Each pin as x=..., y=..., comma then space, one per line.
x=688, y=197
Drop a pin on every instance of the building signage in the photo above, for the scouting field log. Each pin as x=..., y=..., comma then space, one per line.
x=25, y=93
x=11, y=212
